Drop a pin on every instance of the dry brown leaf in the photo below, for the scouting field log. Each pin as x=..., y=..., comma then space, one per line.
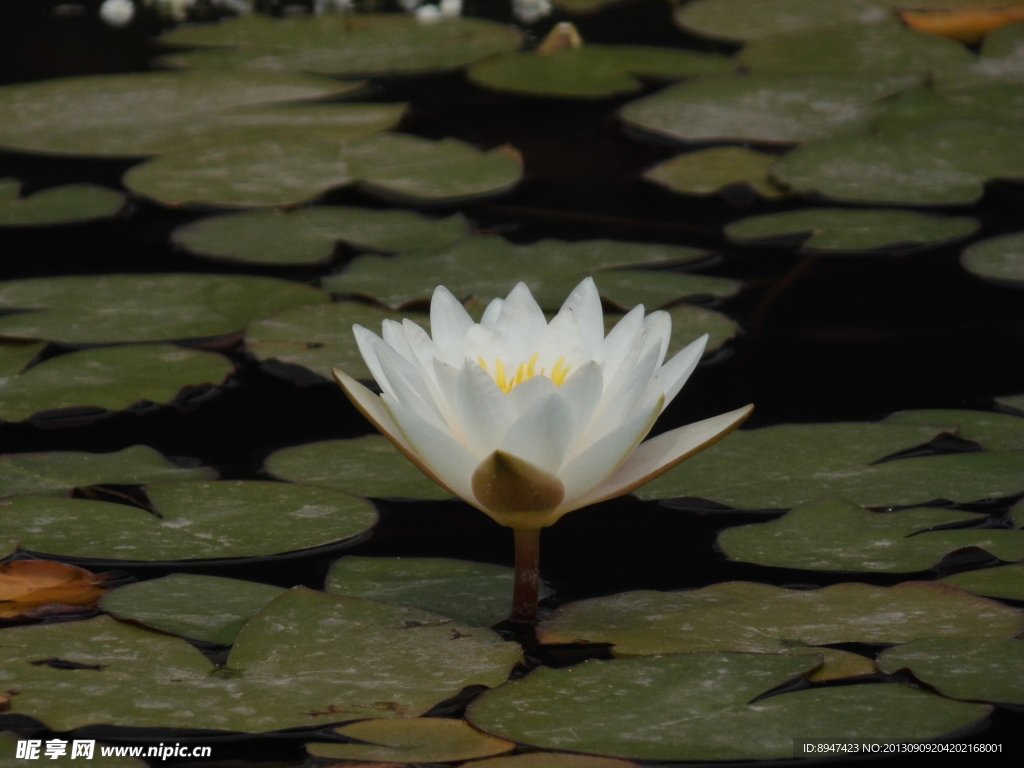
x=29, y=584
x=966, y=26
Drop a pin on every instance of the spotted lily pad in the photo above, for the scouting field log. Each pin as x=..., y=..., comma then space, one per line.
x=963, y=668
x=208, y=608
x=1005, y=582
x=709, y=171
x=841, y=230
x=999, y=259
x=309, y=236
x=367, y=466
x=60, y=205
x=57, y=473
x=116, y=308
x=697, y=706
x=279, y=170
x=741, y=20
x=305, y=659
x=110, y=378
x=200, y=520
x=551, y=760
x=415, y=740
x=835, y=535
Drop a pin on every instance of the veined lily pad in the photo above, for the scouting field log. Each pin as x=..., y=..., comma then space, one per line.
x=309, y=236
x=963, y=668
x=697, y=706
x=305, y=659
x=208, y=608
x=57, y=473
x=741, y=20
x=278, y=170
x=709, y=171
x=415, y=740
x=59, y=205
x=111, y=378
x=15, y=355
x=1006, y=581
x=111, y=308
x=999, y=259
x=835, y=535
x=201, y=520
x=993, y=431
x=771, y=109
x=9, y=759
x=551, y=760
x=839, y=230
x=367, y=466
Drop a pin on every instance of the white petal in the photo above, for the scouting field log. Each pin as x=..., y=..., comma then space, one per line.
x=523, y=396
x=520, y=323
x=560, y=339
x=619, y=341
x=421, y=344
x=582, y=390
x=482, y=409
x=365, y=340
x=585, y=303
x=490, y=317
x=542, y=435
x=393, y=334
x=449, y=322
x=620, y=406
x=659, y=325
x=670, y=378
x=407, y=384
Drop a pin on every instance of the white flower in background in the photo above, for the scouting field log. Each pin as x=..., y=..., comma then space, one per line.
x=450, y=9
x=117, y=13
x=529, y=11
x=428, y=14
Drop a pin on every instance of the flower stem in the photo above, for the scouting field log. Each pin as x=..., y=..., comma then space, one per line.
x=527, y=586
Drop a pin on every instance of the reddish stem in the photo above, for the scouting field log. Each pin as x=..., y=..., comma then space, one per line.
x=527, y=586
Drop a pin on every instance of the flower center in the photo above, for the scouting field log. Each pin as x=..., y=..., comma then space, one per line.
x=525, y=372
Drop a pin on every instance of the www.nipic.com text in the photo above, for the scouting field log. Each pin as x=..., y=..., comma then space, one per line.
x=34, y=749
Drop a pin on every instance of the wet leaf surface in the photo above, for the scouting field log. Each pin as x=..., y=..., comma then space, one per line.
x=29, y=584
x=1005, y=582
x=1001, y=60
x=753, y=19
x=709, y=171
x=60, y=205
x=999, y=259
x=15, y=355
x=416, y=740
x=993, y=431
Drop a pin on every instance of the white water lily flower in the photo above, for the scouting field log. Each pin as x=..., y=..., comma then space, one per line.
x=525, y=419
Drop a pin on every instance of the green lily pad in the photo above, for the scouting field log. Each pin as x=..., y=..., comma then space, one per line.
x=998, y=259
x=367, y=466
x=111, y=378
x=200, y=520
x=1001, y=60
x=477, y=594
x=551, y=760
x=705, y=707
x=689, y=323
x=770, y=109
x=993, y=431
x=57, y=473
x=1012, y=401
x=416, y=740
x=709, y=171
x=963, y=668
x=741, y=20
x=744, y=616
x=305, y=659
x=15, y=355
x=593, y=71
x=208, y=608
x=835, y=535
x=144, y=113
x=117, y=308
x=60, y=205
x=279, y=170
x=9, y=546
x=920, y=108
x=363, y=44
x=1005, y=582
x=840, y=230
x=309, y=236
x=9, y=751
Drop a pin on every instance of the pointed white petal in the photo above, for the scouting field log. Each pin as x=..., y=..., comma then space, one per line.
x=582, y=390
x=482, y=409
x=670, y=378
x=619, y=339
x=561, y=339
x=659, y=325
x=449, y=322
x=542, y=435
x=365, y=340
x=616, y=409
x=523, y=396
x=490, y=317
x=421, y=344
x=407, y=384
x=585, y=303
x=520, y=323
x=393, y=334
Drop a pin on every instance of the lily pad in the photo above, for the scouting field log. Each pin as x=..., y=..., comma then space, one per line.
x=1015, y=402
x=367, y=466
x=770, y=109
x=835, y=535
x=309, y=236
x=705, y=707
x=110, y=378
x=239, y=518
x=845, y=231
x=999, y=259
x=280, y=170
x=16, y=355
x=551, y=760
x=208, y=608
x=993, y=431
x=305, y=659
x=57, y=473
x=118, y=308
x=963, y=668
x=1005, y=582
x=144, y=113
x=740, y=20
x=709, y=171
x=8, y=545
x=689, y=323
x=363, y=44
x=1001, y=60
x=60, y=205
x=415, y=740
x=921, y=108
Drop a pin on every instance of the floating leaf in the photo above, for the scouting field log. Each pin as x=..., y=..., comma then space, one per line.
x=920, y=108
x=772, y=109
x=29, y=584
x=709, y=171
x=835, y=535
x=968, y=26
x=15, y=355
x=367, y=466
x=993, y=431
x=999, y=259
x=1005, y=582
x=111, y=308
x=552, y=759
x=416, y=740
x=690, y=323
x=309, y=236
x=839, y=230
x=61, y=205
x=1001, y=60
x=239, y=518
x=705, y=707
x=279, y=170
x=207, y=608
x=741, y=20
x=8, y=545
x=1015, y=402
x=110, y=378
x=963, y=668
x=56, y=473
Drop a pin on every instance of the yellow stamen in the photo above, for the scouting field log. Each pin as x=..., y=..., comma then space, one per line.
x=500, y=378
x=520, y=373
x=483, y=363
x=530, y=365
x=558, y=373
x=525, y=372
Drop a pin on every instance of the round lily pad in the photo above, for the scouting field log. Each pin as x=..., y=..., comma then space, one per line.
x=709, y=171
x=116, y=308
x=1005, y=582
x=208, y=608
x=60, y=205
x=993, y=431
x=963, y=668
x=552, y=760
x=741, y=20
x=920, y=108
x=281, y=170
x=770, y=109
x=839, y=230
x=999, y=259
x=309, y=236
x=705, y=707
x=57, y=473
x=1002, y=55
x=8, y=545
x=16, y=355
x=415, y=740
x=193, y=521
x=367, y=466
x=110, y=378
